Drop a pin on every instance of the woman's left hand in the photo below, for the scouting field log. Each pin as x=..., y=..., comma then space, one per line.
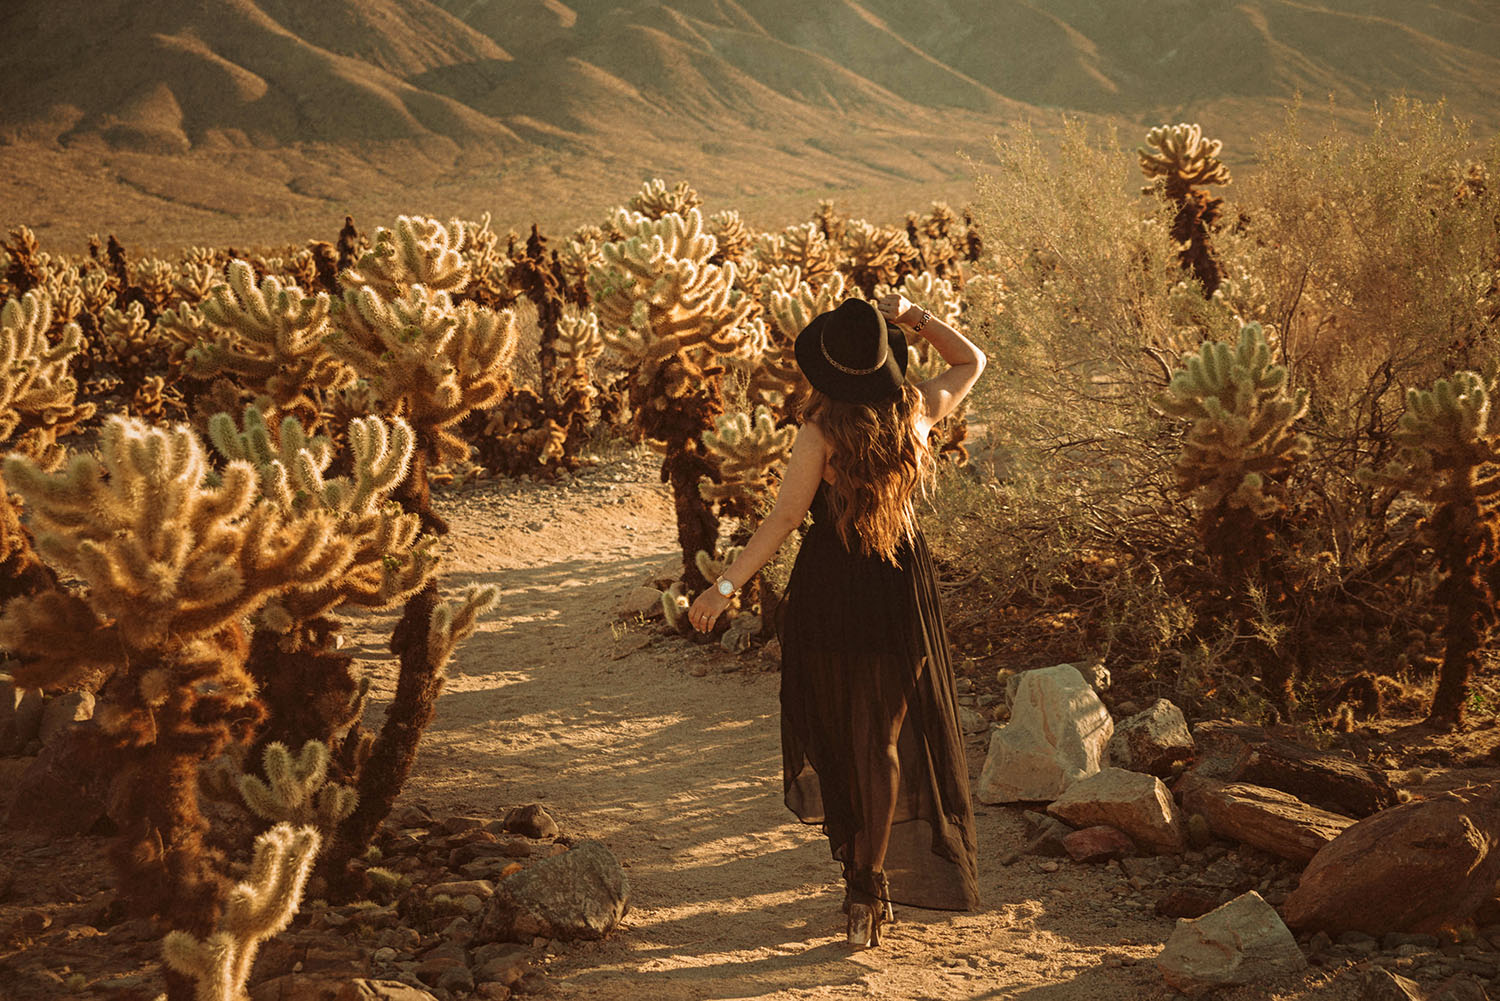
x=706, y=610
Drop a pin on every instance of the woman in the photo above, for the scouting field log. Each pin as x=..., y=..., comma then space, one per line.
x=871, y=743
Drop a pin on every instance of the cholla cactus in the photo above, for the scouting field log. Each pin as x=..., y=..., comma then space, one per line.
x=390, y=560
x=1236, y=458
x=167, y=565
x=1182, y=158
x=657, y=296
x=165, y=561
x=219, y=965
x=875, y=255
x=131, y=342
x=830, y=222
x=418, y=251
x=655, y=200
x=789, y=305
x=270, y=335
x=749, y=452
x=432, y=363
x=37, y=393
x=673, y=317
x=733, y=236
x=803, y=247
x=1446, y=458
x=1243, y=441
x=1179, y=162
x=296, y=790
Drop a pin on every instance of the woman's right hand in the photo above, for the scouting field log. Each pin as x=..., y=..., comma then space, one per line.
x=897, y=308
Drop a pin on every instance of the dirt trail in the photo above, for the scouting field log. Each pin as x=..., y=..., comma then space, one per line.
x=680, y=776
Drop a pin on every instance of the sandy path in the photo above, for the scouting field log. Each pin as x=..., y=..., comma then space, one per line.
x=680, y=776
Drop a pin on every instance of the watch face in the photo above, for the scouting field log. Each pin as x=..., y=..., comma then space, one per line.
x=726, y=588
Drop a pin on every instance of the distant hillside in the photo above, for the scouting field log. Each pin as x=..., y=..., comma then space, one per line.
x=184, y=121
x=175, y=74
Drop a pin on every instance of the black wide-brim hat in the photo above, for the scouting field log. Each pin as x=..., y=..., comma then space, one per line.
x=851, y=354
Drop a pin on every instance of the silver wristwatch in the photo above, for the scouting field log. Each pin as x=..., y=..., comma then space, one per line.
x=725, y=587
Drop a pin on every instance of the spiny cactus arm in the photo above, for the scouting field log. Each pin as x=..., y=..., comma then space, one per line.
x=578, y=342
x=269, y=324
x=453, y=621
x=748, y=451
x=1180, y=153
x=256, y=909
x=391, y=562
x=655, y=199
x=418, y=251
x=36, y=390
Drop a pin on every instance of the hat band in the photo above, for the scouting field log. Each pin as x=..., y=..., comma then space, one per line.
x=879, y=363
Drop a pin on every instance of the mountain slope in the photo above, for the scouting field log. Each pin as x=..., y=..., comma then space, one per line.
x=177, y=74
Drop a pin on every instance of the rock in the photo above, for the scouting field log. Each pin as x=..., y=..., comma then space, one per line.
x=1097, y=844
x=741, y=632
x=1235, y=752
x=1132, y=802
x=971, y=721
x=666, y=574
x=1152, y=741
x=63, y=713
x=581, y=893
x=1271, y=820
x=503, y=967
x=1057, y=734
x=65, y=790
x=300, y=987
x=1414, y=867
x=1186, y=903
x=1045, y=835
x=531, y=821
x=381, y=990
x=1383, y=985
x=643, y=601
x=20, y=716
x=1240, y=943
x=1459, y=988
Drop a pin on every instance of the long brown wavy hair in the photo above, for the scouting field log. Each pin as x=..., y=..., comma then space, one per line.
x=879, y=462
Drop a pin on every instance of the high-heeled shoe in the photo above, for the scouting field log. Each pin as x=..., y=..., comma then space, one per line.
x=867, y=911
x=882, y=893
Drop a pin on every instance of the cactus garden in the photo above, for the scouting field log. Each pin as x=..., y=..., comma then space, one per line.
x=343, y=582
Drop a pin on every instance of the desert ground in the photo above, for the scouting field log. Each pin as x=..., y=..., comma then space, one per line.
x=669, y=753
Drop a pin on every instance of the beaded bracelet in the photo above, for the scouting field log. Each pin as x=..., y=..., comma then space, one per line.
x=922, y=322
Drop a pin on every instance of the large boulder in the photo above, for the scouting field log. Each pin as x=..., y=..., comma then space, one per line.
x=1269, y=819
x=1242, y=942
x=581, y=893
x=1132, y=802
x=1152, y=741
x=1414, y=867
x=1058, y=733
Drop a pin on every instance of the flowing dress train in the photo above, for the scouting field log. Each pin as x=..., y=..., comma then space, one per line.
x=862, y=640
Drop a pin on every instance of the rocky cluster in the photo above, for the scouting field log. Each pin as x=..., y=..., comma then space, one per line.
x=1270, y=854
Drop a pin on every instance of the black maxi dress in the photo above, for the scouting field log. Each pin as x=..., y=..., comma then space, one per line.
x=860, y=637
